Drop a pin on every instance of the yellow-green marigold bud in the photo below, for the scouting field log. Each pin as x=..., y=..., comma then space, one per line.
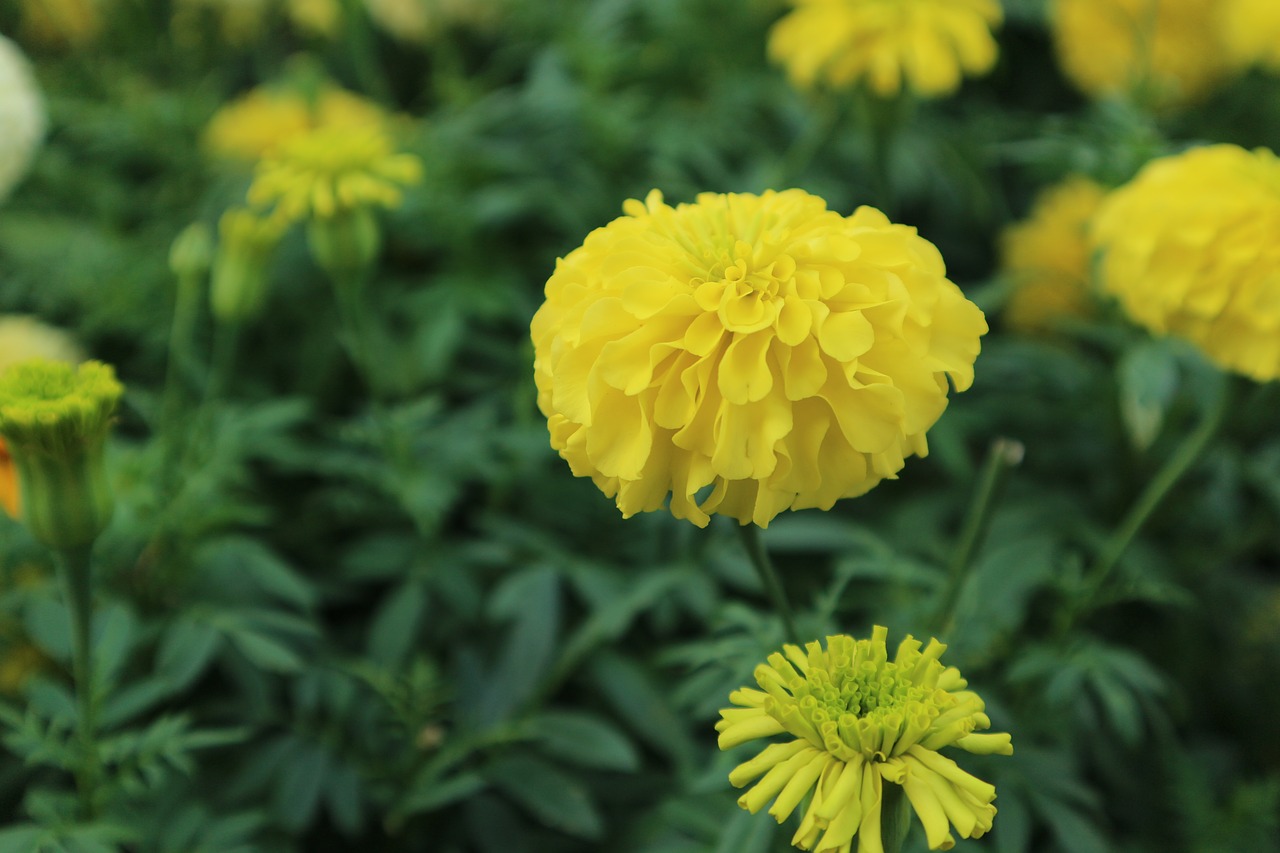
x=54, y=418
x=860, y=722
x=246, y=242
x=191, y=252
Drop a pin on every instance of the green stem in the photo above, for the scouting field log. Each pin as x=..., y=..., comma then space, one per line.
x=1003, y=455
x=73, y=568
x=182, y=333
x=815, y=134
x=1152, y=496
x=769, y=577
x=226, y=344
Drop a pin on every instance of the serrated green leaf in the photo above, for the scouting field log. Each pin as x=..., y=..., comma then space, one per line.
x=554, y=798
x=583, y=739
x=186, y=648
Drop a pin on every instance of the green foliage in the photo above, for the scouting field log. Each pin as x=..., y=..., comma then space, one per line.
x=330, y=619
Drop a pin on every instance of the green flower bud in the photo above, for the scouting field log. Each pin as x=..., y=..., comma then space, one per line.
x=191, y=252
x=345, y=244
x=55, y=418
x=246, y=242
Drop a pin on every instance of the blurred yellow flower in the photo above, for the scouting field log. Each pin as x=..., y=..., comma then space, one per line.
x=61, y=23
x=1165, y=51
x=859, y=721
x=332, y=170
x=1251, y=31
x=1189, y=248
x=254, y=125
x=9, y=494
x=315, y=17
x=422, y=20
x=926, y=46
x=1046, y=256
x=762, y=348
x=22, y=116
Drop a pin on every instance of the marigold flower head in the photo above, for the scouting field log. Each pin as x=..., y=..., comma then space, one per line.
x=422, y=20
x=859, y=721
x=1251, y=32
x=61, y=23
x=332, y=170
x=1047, y=257
x=763, y=346
x=1189, y=249
x=254, y=125
x=927, y=46
x=22, y=118
x=1170, y=50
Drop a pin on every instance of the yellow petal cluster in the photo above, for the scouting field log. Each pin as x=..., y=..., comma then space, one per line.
x=748, y=354
x=1164, y=51
x=1046, y=257
x=332, y=170
x=61, y=23
x=858, y=721
x=1251, y=32
x=256, y=124
x=927, y=46
x=422, y=20
x=1189, y=248
x=48, y=407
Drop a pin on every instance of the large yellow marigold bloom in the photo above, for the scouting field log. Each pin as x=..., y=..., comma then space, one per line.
x=1251, y=31
x=255, y=125
x=1047, y=257
x=859, y=721
x=1170, y=50
x=927, y=46
x=780, y=353
x=1189, y=247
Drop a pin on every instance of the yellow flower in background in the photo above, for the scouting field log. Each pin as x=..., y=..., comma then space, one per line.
x=1047, y=257
x=1189, y=247
x=254, y=125
x=22, y=117
x=315, y=17
x=332, y=170
x=1251, y=32
x=859, y=722
x=1169, y=50
x=61, y=23
x=926, y=46
x=422, y=20
x=762, y=348
x=10, y=496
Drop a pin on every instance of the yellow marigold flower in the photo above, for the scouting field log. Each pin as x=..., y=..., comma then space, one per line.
x=1047, y=257
x=1168, y=49
x=1189, y=249
x=781, y=353
x=422, y=20
x=61, y=23
x=858, y=721
x=332, y=170
x=316, y=17
x=927, y=46
x=254, y=125
x=1251, y=32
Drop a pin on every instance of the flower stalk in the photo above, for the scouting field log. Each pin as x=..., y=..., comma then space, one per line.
x=76, y=577
x=769, y=578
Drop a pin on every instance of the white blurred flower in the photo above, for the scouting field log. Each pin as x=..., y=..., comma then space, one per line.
x=22, y=117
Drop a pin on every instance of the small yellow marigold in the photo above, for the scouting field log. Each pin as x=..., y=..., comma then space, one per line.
x=253, y=126
x=1189, y=248
x=1046, y=256
x=1170, y=51
x=332, y=170
x=1251, y=32
x=764, y=346
x=422, y=20
x=859, y=721
x=61, y=23
x=926, y=46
